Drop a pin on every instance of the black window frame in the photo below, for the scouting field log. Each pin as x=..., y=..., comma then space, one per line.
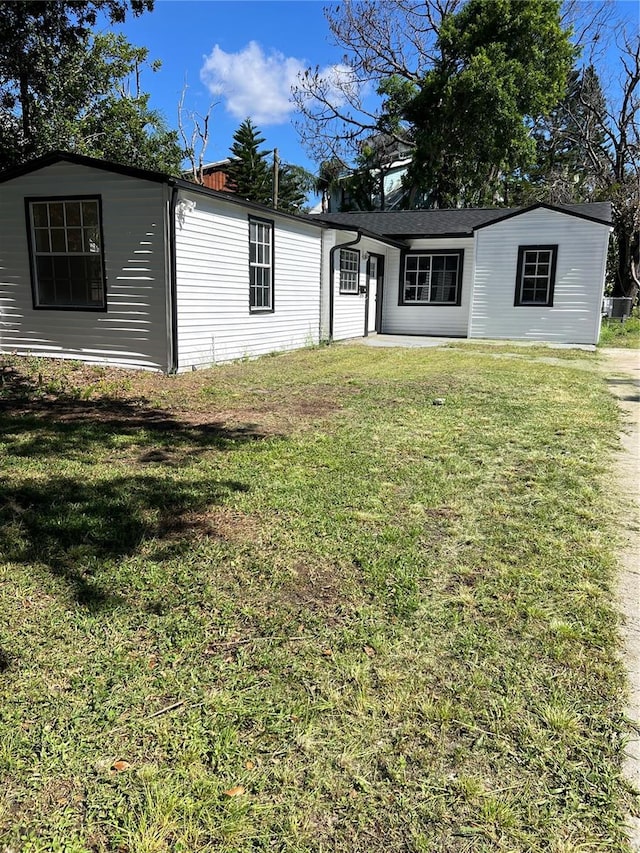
x=260, y=309
x=458, y=253
x=38, y=305
x=341, y=288
x=553, y=262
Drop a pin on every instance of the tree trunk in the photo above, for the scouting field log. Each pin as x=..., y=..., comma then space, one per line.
x=624, y=283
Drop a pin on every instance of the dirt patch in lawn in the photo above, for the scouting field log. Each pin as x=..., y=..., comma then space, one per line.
x=317, y=586
x=224, y=523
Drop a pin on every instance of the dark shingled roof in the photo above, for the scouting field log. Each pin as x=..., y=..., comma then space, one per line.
x=449, y=223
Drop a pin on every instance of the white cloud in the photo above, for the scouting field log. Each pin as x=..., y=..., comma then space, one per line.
x=252, y=83
x=341, y=84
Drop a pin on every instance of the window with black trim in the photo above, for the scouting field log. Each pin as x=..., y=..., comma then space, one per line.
x=432, y=278
x=260, y=265
x=67, y=253
x=349, y=270
x=536, y=276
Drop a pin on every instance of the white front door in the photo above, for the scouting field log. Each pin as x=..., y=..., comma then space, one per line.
x=372, y=293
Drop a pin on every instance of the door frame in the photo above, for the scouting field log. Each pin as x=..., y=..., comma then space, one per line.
x=379, y=288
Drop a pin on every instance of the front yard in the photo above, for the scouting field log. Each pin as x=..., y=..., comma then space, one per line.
x=346, y=599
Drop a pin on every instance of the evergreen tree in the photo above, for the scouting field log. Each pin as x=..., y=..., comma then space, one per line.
x=250, y=174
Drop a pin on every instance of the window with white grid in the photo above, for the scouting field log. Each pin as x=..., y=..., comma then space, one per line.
x=349, y=269
x=260, y=265
x=67, y=253
x=432, y=278
x=536, y=275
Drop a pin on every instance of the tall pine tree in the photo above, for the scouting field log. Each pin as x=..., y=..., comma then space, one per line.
x=250, y=174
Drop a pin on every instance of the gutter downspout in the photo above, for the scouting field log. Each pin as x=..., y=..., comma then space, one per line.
x=332, y=273
x=173, y=290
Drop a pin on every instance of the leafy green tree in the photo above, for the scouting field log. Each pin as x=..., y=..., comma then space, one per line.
x=250, y=173
x=460, y=80
x=115, y=122
x=569, y=148
x=41, y=45
x=328, y=180
x=294, y=183
x=501, y=64
x=98, y=109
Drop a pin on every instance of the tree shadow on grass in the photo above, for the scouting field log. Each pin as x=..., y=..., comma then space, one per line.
x=72, y=430
x=73, y=525
x=69, y=434
x=622, y=385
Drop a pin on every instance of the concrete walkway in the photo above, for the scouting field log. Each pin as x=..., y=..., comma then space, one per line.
x=622, y=374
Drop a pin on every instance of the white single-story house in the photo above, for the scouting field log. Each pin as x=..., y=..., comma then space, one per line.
x=116, y=265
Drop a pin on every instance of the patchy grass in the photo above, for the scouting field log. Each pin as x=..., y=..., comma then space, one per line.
x=293, y=605
x=615, y=333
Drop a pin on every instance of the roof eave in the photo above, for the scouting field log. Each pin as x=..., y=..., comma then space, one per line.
x=148, y=175
x=394, y=242
x=421, y=235
x=82, y=160
x=232, y=198
x=543, y=206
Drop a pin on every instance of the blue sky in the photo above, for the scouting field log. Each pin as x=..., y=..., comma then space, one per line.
x=244, y=55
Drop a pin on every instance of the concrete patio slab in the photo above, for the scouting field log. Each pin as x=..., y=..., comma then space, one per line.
x=375, y=340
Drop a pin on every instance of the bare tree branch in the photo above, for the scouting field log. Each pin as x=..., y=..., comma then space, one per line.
x=593, y=26
x=381, y=39
x=196, y=143
x=618, y=123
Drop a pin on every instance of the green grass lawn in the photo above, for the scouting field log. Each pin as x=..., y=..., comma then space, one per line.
x=293, y=605
x=615, y=333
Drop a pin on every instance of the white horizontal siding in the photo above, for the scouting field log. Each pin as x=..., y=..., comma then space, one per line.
x=445, y=320
x=575, y=314
x=348, y=308
x=212, y=273
x=133, y=330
